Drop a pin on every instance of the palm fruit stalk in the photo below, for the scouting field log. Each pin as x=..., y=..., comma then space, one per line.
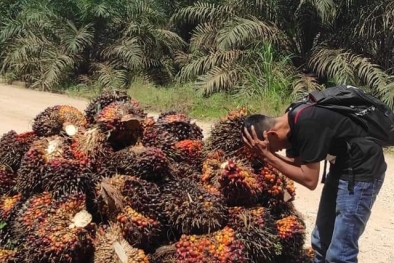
x=7, y=256
x=7, y=181
x=103, y=100
x=190, y=209
x=65, y=234
x=239, y=185
x=226, y=135
x=9, y=206
x=140, y=231
x=57, y=120
x=91, y=146
x=13, y=146
x=123, y=121
x=148, y=163
x=256, y=229
x=221, y=246
x=278, y=191
x=111, y=247
x=291, y=231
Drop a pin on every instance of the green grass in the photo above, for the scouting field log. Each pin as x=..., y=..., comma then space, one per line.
x=185, y=99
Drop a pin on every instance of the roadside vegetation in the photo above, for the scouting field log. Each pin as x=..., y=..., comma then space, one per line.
x=199, y=57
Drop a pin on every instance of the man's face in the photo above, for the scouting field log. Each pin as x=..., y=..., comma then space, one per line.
x=276, y=143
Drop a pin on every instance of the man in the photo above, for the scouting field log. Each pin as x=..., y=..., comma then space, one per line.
x=355, y=178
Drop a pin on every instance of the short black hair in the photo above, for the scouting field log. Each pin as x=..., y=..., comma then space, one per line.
x=260, y=122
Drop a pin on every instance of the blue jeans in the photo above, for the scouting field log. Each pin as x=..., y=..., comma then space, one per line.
x=342, y=218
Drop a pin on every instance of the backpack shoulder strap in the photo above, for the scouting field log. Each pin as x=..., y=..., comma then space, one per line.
x=296, y=109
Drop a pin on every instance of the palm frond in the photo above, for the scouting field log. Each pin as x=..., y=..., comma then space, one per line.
x=76, y=40
x=128, y=52
x=182, y=58
x=217, y=79
x=205, y=63
x=241, y=31
x=204, y=37
x=386, y=92
x=169, y=39
x=334, y=64
x=304, y=84
x=109, y=77
x=202, y=12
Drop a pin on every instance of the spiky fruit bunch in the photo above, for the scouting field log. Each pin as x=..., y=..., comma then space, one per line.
x=180, y=126
x=111, y=247
x=239, y=184
x=139, y=230
x=291, y=231
x=155, y=135
x=278, y=189
x=145, y=197
x=103, y=100
x=124, y=122
x=256, y=229
x=188, y=157
x=148, y=163
x=7, y=181
x=190, y=209
x=91, y=146
x=57, y=119
x=221, y=246
x=64, y=234
x=13, y=146
x=7, y=256
x=9, y=206
x=226, y=135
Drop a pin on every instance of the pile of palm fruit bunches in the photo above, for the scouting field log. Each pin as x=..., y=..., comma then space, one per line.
x=112, y=185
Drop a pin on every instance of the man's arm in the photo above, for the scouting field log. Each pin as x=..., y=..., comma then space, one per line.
x=293, y=161
x=306, y=174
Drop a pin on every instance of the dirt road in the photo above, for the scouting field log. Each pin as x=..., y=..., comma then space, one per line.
x=18, y=107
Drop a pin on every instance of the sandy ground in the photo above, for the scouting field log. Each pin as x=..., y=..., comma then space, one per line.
x=19, y=106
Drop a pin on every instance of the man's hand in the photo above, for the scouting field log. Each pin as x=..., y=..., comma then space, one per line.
x=261, y=148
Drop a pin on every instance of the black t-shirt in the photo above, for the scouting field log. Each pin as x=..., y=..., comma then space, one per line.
x=320, y=133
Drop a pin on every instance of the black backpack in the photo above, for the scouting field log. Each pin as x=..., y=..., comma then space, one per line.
x=375, y=117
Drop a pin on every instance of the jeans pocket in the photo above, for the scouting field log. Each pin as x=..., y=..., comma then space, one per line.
x=377, y=185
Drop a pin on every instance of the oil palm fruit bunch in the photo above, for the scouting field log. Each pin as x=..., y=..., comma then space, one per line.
x=59, y=119
x=180, y=126
x=91, y=146
x=124, y=123
x=239, y=184
x=256, y=229
x=7, y=181
x=7, y=256
x=226, y=135
x=13, y=146
x=139, y=230
x=190, y=209
x=221, y=246
x=65, y=234
x=291, y=232
x=212, y=168
x=111, y=247
x=148, y=163
x=9, y=206
x=278, y=189
x=101, y=101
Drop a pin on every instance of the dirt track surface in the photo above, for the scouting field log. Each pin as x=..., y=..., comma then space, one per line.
x=19, y=106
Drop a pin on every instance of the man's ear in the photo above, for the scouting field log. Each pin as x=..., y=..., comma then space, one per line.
x=271, y=133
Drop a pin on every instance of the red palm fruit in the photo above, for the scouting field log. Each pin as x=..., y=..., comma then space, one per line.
x=101, y=101
x=180, y=126
x=7, y=181
x=221, y=246
x=291, y=231
x=191, y=209
x=256, y=229
x=212, y=168
x=13, y=146
x=111, y=247
x=59, y=119
x=9, y=206
x=7, y=256
x=140, y=231
x=239, y=185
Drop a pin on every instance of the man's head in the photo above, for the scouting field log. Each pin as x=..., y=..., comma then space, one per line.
x=276, y=130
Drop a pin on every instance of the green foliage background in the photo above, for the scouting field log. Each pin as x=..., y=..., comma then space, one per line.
x=245, y=51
